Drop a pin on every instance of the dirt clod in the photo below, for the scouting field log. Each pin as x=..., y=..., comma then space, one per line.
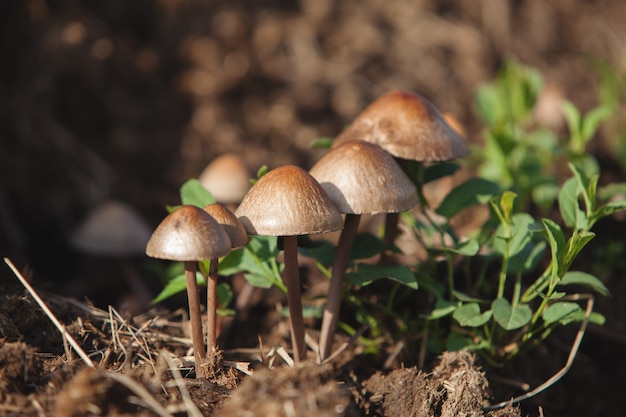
x=305, y=390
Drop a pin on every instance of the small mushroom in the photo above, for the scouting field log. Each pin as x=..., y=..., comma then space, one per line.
x=360, y=178
x=190, y=234
x=238, y=238
x=227, y=177
x=115, y=230
x=288, y=202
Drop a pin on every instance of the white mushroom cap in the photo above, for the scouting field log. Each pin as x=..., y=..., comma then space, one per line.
x=231, y=224
x=288, y=201
x=407, y=126
x=112, y=229
x=361, y=178
x=188, y=234
x=227, y=178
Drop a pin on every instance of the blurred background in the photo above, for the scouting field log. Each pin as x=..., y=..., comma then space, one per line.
x=126, y=100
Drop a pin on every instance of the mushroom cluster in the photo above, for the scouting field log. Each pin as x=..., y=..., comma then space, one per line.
x=361, y=174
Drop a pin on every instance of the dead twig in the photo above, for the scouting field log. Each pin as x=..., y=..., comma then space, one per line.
x=60, y=326
x=191, y=408
x=570, y=359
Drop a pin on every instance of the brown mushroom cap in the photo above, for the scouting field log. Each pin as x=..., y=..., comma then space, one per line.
x=288, y=201
x=112, y=229
x=227, y=178
x=361, y=178
x=407, y=126
x=188, y=234
x=231, y=224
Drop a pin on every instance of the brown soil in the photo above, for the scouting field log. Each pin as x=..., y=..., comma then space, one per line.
x=126, y=100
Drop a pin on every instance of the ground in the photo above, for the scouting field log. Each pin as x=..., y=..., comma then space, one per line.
x=126, y=100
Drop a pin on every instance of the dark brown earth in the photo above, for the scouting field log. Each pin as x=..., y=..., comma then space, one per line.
x=126, y=100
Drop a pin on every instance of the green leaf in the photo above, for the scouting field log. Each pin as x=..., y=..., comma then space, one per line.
x=322, y=143
x=574, y=245
x=607, y=210
x=224, y=294
x=510, y=317
x=176, y=285
x=613, y=190
x=258, y=280
x=527, y=258
x=193, y=193
x=572, y=116
x=231, y=263
x=442, y=308
x=506, y=205
x=469, y=315
x=308, y=312
x=585, y=279
x=584, y=183
x=365, y=274
x=519, y=235
x=559, y=311
x=260, y=173
x=440, y=170
x=367, y=245
x=488, y=104
x=556, y=239
x=591, y=121
x=472, y=192
x=568, y=202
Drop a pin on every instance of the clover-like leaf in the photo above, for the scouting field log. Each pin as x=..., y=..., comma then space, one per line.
x=510, y=317
x=469, y=315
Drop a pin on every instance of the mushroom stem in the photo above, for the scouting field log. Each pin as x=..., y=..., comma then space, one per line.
x=211, y=307
x=391, y=228
x=294, y=300
x=194, y=316
x=333, y=304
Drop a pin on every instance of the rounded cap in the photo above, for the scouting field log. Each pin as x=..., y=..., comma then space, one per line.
x=227, y=178
x=407, y=126
x=361, y=178
x=112, y=229
x=288, y=201
x=231, y=224
x=188, y=234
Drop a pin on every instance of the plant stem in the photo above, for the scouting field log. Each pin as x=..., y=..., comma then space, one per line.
x=194, y=317
x=294, y=297
x=211, y=307
x=333, y=304
x=517, y=289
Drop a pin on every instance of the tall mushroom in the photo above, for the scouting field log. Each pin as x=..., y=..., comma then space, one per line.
x=190, y=234
x=238, y=238
x=360, y=178
x=288, y=202
x=409, y=127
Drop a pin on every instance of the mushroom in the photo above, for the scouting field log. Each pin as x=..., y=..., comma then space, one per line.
x=287, y=202
x=238, y=238
x=115, y=230
x=227, y=177
x=190, y=234
x=360, y=178
x=407, y=126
